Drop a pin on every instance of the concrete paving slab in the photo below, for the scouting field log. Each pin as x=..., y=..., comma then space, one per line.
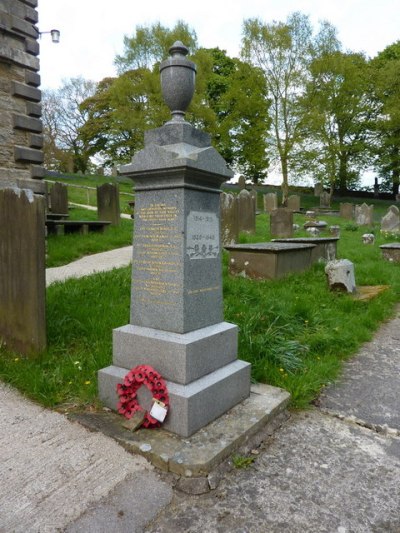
x=52, y=470
x=90, y=264
x=199, y=454
x=369, y=388
x=317, y=474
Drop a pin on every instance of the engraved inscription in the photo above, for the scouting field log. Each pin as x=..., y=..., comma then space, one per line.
x=202, y=235
x=156, y=258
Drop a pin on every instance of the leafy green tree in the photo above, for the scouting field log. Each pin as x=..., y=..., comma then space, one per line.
x=284, y=52
x=337, y=117
x=229, y=102
x=386, y=91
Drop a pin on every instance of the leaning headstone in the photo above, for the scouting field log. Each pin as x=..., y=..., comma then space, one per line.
x=59, y=198
x=346, y=211
x=176, y=321
x=246, y=212
x=229, y=219
x=368, y=238
x=281, y=222
x=108, y=203
x=242, y=182
x=22, y=271
x=391, y=221
x=318, y=189
x=270, y=201
x=294, y=202
x=364, y=214
x=324, y=199
x=340, y=275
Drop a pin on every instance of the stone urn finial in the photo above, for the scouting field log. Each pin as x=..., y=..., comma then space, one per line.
x=177, y=81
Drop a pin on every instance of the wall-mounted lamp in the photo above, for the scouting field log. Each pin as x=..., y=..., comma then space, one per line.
x=55, y=35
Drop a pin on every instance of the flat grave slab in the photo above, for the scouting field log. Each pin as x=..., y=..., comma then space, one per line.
x=269, y=260
x=391, y=251
x=325, y=247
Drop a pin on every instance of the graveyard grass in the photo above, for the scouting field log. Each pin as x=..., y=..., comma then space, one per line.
x=294, y=331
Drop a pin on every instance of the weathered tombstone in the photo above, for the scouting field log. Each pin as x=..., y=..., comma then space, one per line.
x=368, y=238
x=22, y=271
x=242, y=182
x=100, y=171
x=176, y=322
x=391, y=251
x=314, y=232
x=281, y=222
x=270, y=201
x=114, y=171
x=253, y=193
x=294, y=202
x=364, y=214
x=59, y=198
x=397, y=197
x=334, y=230
x=340, y=275
x=318, y=189
x=324, y=199
x=346, y=211
x=229, y=219
x=296, y=227
x=391, y=221
x=108, y=203
x=246, y=212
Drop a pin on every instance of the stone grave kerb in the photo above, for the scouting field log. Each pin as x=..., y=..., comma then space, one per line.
x=176, y=321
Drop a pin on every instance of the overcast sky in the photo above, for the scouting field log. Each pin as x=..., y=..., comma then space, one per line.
x=92, y=31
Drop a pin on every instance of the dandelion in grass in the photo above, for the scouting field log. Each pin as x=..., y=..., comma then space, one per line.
x=16, y=359
x=87, y=382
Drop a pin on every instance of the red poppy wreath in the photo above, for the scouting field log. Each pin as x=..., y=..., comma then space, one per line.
x=127, y=391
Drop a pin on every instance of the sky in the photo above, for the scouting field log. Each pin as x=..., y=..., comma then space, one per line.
x=92, y=31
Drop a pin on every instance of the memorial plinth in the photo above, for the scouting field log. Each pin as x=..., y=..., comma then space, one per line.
x=176, y=321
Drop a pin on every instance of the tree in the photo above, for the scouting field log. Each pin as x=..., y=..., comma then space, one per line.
x=386, y=92
x=282, y=51
x=229, y=102
x=337, y=114
x=62, y=119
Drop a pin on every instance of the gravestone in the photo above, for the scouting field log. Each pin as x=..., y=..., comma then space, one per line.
x=270, y=201
x=246, y=212
x=281, y=222
x=391, y=252
x=254, y=196
x=324, y=199
x=176, y=321
x=340, y=275
x=368, y=238
x=22, y=271
x=293, y=202
x=391, y=221
x=346, y=211
x=108, y=203
x=242, y=182
x=318, y=189
x=59, y=198
x=334, y=230
x=364, y=214
x=229, y=219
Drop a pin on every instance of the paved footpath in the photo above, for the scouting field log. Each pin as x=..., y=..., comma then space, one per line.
x=335, y=468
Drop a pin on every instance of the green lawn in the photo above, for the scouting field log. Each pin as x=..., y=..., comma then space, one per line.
x=294, y=331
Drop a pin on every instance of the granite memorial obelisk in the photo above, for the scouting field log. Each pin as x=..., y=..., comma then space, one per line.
x=176, y=322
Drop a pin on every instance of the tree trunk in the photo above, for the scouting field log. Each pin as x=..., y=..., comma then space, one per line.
x=285, y=183
x=396, y=170
x=342, y=173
